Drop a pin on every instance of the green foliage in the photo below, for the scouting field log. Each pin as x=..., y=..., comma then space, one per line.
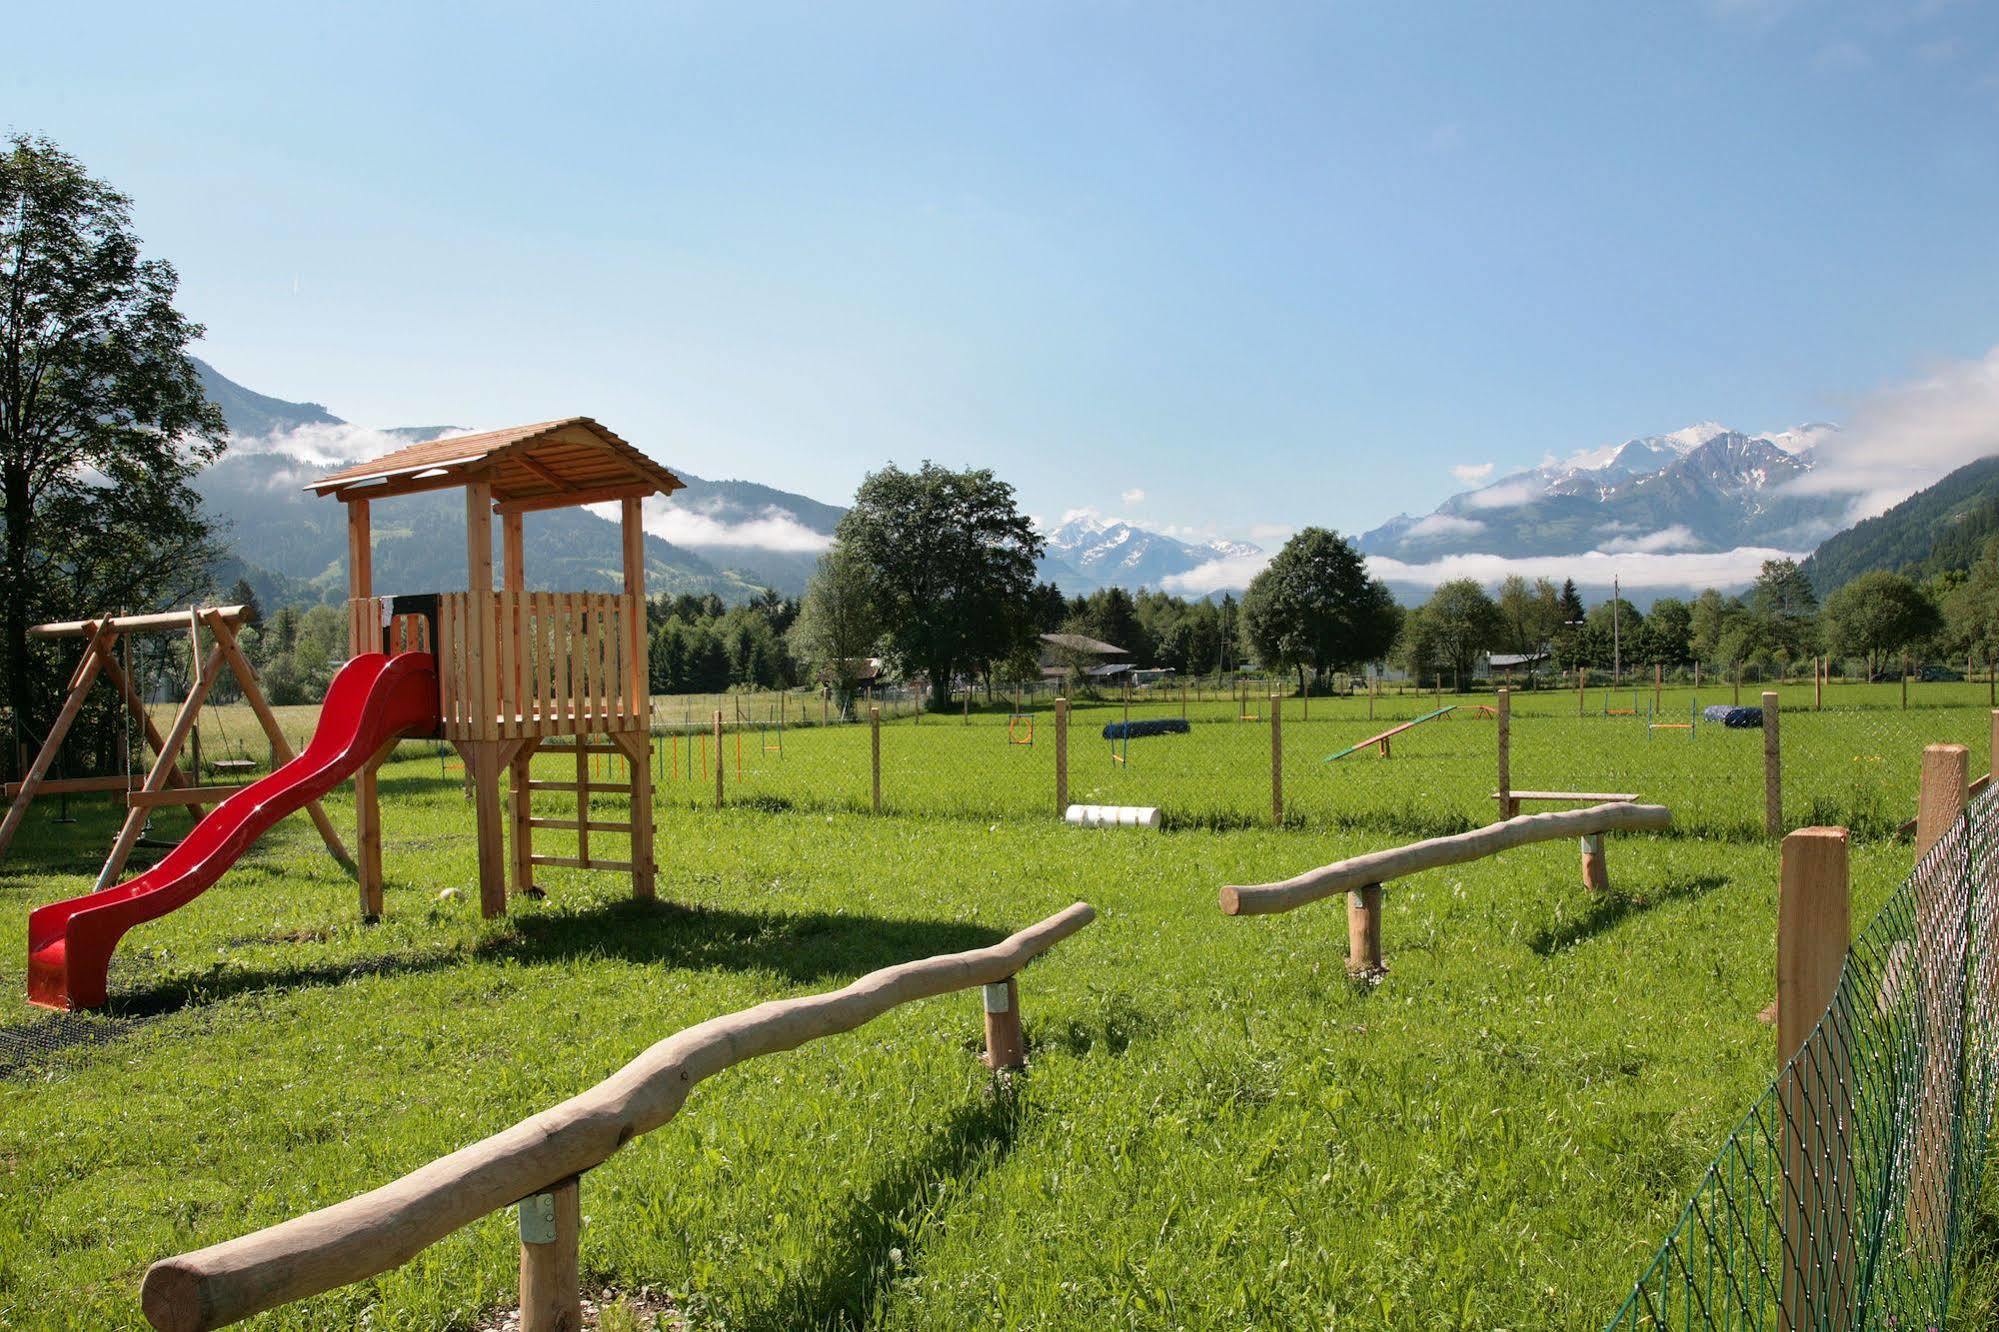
x=1315, y=607
x=1447, y=633
x=701, y=646
x=102, y=422
x=837, y=628
x=1879, y=614
x=949, y=562
x=1942, y=527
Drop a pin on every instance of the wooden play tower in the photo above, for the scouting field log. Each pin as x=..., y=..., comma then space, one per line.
x=518, y=671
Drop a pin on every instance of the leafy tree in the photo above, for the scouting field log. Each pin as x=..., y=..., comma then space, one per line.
x=1668, y=633
x=1971, y=608
x=1614, y=634
x=1532, y=615
x=1707, y=621
x=948, y=560
x=1782, y=598
x=1315, y=606
x=1877, y=615
x=837, y=627
x=102, y=419
x=1451, y=629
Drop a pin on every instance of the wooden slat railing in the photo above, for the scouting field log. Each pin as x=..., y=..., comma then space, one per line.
x=376, y=1231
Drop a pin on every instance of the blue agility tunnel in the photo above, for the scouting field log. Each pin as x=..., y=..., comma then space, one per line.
x=1138, y=730
x=1740, y=718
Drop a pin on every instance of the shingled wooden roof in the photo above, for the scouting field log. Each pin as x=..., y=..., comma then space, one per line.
x=543, y=466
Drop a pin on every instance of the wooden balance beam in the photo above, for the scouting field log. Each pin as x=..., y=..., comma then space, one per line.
x=1362, y=877
x=1380, y=742
x=1510, y=801
x=538, y=1162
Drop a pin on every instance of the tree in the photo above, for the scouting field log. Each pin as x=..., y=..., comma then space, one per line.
x=1315, y=606
x=1668, y=632
x=1532, y=616
x=948, y=560
x=1971, y=608
x=1451, y=629
x=1782, y=598
x=836, y=628
x=1877, y=615
x=1707, y=621
x=102, y=419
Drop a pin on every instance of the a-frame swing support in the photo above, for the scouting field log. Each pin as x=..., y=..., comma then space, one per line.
x=102, y=636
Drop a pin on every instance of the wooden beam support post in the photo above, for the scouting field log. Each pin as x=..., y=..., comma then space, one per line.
x=1006, y=1042
x=368, y=835
x=1773, y=769
x=94, y=656
x=1816, y=1212
x=1364, y=932
x=638, y=751
x=551, y=1235
x=484, y=765
x=875, y=752
x=163, y=764
x=1945, y=781
x=1596, y=875
x=520, y=818
x=1062, y=754
x=1276, y=760
x=1503, y=713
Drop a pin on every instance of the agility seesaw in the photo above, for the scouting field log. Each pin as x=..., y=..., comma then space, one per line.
x=1380, y=742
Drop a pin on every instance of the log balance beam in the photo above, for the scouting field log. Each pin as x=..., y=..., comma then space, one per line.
x=1380, y=742
x=1362, y=877
x=537, y=1162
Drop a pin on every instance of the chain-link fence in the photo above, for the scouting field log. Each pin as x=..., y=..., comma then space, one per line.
x=1841, y=1199
x=1404, y=762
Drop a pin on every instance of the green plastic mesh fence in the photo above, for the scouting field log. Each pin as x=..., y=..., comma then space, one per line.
x=1838, y=1203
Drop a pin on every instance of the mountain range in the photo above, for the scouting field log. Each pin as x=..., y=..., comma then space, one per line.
x=1086, y=552
x=1704, y=488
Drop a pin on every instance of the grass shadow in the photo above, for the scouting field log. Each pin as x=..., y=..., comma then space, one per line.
x=880, y=1236
x=1609, y=909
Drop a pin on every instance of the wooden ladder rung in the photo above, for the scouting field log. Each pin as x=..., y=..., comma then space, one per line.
x=595, y=747
x=572, y=825
x=570, y=862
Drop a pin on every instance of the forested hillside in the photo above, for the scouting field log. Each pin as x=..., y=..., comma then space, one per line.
x=1934, y=530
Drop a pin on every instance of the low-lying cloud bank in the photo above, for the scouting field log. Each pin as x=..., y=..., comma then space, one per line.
x=1727, y=570
x=319, y=445
x=774, y=529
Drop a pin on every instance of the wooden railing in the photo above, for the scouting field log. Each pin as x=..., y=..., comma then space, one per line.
x=513, y=664
x=537, y=1162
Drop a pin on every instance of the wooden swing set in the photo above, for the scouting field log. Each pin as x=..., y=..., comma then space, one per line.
x=164, y=783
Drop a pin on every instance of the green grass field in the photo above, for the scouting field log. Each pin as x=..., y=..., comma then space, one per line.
x=1217, y=1129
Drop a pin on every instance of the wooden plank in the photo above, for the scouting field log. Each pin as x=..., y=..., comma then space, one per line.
x=72, y=786
x=638, y=760
x=234, y=615
x=572, y=825
x=592, y=495
x=509, y=699
x=380, y=1230
x=594, y=863
x=1381, y=866
x=605, y=788
x=186, y=795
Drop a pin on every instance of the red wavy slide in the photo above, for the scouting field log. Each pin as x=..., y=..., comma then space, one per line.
x=373, y=700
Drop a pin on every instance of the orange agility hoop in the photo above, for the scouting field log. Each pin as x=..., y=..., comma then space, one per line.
x=1016, y=732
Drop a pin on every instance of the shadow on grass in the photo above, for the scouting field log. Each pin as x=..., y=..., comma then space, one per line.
x=880, y=1236
x=1607, y=910
x=799, y=948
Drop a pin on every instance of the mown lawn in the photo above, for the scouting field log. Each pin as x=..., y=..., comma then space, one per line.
x=1217, y=1129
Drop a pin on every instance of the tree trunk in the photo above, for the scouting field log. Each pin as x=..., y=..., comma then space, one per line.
x=13, y=576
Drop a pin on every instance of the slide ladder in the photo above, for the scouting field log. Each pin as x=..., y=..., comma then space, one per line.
x=373, y=701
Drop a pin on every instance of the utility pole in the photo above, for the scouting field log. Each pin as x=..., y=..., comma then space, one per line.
x=1616, y=636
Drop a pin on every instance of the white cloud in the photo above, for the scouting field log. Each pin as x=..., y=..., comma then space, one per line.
x=1506, y=495
x=1906, y=436
x=1271, y=533
x=1133, y=496
x=1677, y=537
x=1473, y=474
x=774, y=529
x=1724, y=569
x=1440, y=525
x=1233, y=571
x=319, y=445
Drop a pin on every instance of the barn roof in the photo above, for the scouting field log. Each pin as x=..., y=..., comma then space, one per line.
x=542, y=466
x=1083, y=643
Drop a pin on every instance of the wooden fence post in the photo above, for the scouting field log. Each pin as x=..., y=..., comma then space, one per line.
x=1364, y=931
x=1658, y=684
x=1905, y=682
x=1062, y=756
x=551, y=1224
x=1816, y=1211
x=1773, y=769
x=875, y=747
x=1818, y=684
x=1006, y=1043
x=1503, y=711
x=1596, y=874
x=720, y=766
x=1277, y=760
x=1946, y=774
x=1582, y=691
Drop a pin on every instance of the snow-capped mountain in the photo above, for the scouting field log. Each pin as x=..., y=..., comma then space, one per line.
x=1086, y=552
x=1703, y=488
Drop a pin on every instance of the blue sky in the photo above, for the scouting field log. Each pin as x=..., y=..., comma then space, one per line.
x=1229, y=269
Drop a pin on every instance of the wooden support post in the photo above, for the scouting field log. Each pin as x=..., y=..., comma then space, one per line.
x=719, y=762
x=1364, y=931
x=968, y=704
x=582, y=799
x=163, y=763
x=483, y=766
x=1062, y=754
x=521, y=814
x=1818, y=684
x=875, y=752
x=368, y=834
x=1582, y=691
x=1816, y=1214
x=1773, y=769
x=1736, y=698
x=1946, y=775
x=637, y=746
x=1503, y=714
x=1992, y=754
x=1658, y=685
x=1905, y=682
x=1596, y=875
x=551, y=1235
x=1006, y=1043
x=1277, y=760
x=95, y=654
